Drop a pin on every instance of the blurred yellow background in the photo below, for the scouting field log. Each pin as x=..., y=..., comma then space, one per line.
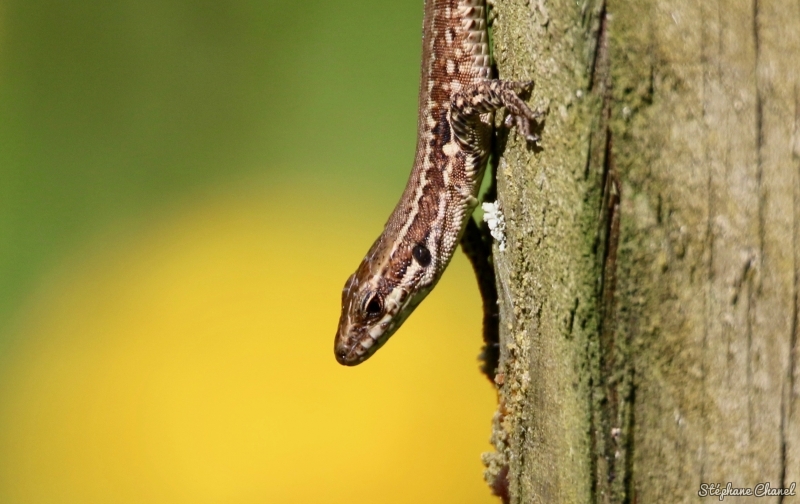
x=184, y=188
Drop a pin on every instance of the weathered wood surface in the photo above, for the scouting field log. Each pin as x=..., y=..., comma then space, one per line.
x=649, y=291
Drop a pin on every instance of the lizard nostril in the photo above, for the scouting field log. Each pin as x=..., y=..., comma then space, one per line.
x=341, y=354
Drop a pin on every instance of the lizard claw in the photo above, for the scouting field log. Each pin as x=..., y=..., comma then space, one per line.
x=520, y=115
x=523, y=126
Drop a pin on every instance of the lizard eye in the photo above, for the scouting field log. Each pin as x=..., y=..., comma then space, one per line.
x=373, y=305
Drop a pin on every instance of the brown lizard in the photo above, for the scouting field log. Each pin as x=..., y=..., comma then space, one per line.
x=457, y=99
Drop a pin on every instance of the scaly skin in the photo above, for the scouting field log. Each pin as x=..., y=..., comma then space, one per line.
x=456, y=104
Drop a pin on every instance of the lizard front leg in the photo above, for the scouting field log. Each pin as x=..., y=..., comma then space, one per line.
x=488, y=96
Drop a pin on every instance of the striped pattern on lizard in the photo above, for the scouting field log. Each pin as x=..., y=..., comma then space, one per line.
x=457, y=99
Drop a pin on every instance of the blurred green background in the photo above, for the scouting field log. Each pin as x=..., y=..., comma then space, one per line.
x=184, y=188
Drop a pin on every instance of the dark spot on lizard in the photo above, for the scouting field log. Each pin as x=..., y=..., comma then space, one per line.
x=441, y=132
x=421, y=254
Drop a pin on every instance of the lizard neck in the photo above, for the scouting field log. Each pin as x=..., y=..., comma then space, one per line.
x=440, y=193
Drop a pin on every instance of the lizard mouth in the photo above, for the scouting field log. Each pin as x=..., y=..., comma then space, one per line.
x=353, y=350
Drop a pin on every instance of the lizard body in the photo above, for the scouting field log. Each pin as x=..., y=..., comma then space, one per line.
x=457, y=99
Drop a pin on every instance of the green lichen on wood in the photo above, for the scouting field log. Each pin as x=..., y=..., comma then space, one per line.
x=649, y=291
x=547, y=277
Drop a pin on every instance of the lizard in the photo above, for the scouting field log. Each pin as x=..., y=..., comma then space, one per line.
x=457, y=101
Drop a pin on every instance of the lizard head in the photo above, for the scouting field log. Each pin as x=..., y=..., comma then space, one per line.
x=377, y=299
